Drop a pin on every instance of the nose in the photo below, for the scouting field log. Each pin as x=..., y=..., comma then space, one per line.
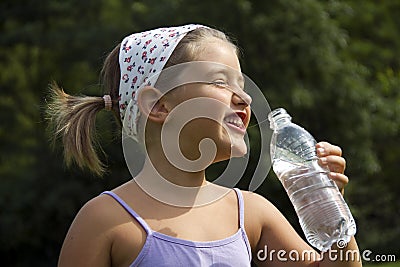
x=241, y=99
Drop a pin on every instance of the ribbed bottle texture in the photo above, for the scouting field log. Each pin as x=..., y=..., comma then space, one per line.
x=323, y=214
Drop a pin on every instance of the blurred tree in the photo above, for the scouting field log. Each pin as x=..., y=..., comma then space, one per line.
x=41, y=41
x=373, y=29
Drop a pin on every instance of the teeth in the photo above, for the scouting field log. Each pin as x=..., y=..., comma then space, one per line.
x=235, y=121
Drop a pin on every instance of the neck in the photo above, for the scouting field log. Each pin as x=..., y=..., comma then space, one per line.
x=159, y=165
x=174, y=186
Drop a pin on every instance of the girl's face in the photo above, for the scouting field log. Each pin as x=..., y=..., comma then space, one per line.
x=230, y=114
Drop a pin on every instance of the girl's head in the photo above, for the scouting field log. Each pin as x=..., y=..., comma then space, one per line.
x=135, y=64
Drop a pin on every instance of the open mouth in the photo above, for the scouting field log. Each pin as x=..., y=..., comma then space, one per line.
x=236, y=121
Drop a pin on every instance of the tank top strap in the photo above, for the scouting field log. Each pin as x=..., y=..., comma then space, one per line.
x=241, y=207
x=137, y=217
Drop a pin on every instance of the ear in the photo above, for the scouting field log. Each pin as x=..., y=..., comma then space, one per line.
x=151, y=104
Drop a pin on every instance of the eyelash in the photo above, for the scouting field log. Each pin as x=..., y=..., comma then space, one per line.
x=222, y=84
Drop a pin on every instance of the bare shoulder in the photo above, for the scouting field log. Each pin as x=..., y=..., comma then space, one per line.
x=262, y=211
x=90, y=236
x=92, y=217
x=258, y=214
x=257, y=205
x=266, y=226
x=99, y=209
x=102, y=216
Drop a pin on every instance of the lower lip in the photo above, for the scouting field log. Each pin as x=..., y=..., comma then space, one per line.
x=241, y=130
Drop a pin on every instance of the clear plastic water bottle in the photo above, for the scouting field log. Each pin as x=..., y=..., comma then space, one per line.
x=323, y=214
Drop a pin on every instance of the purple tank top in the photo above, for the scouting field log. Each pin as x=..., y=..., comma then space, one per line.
x=163, y=250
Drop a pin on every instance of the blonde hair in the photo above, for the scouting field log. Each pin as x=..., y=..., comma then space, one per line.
x=72, y=118
x=192, y=45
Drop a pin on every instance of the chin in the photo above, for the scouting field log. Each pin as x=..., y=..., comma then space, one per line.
x=227, y=151
x=238, y=150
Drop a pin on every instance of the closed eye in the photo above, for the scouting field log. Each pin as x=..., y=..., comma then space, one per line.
x=221, y=84
x=241, y=92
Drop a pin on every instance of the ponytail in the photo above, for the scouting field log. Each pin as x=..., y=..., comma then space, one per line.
x=73, y=119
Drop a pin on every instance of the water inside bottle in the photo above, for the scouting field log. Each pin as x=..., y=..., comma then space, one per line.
x=312, y=192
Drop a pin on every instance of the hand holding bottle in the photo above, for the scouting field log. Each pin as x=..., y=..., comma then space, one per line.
x=331, y=156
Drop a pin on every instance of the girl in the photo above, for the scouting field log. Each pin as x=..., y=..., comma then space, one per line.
x=135, y=224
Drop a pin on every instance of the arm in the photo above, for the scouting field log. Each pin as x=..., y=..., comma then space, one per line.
x=88, y=241
x=279, y=244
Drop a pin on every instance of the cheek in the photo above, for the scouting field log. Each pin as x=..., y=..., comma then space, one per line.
x=203, y=112
x=206, y=127
x=222, y=95
x=191, y=91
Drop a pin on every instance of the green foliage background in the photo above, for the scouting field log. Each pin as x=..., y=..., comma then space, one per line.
x=334, y=65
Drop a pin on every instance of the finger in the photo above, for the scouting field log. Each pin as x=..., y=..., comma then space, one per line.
x=341, y=180
x=334, y=163
x=325, y=148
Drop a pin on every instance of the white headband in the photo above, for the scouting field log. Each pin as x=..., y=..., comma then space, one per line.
x=142, y=56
